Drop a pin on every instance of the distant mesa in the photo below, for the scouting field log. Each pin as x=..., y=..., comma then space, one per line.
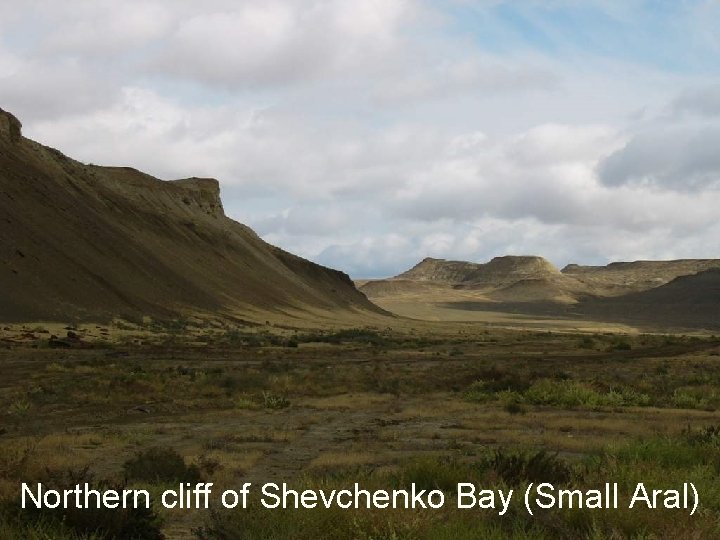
x=682, y=293
x=502, y=269
x=85, y=242
x=430, y=269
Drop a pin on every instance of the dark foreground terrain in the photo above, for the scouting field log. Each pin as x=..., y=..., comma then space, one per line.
x=427, y=404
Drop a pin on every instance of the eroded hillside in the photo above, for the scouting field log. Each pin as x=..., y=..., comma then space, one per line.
x=80, y=241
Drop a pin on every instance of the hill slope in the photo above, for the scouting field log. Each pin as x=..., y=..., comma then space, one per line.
x=625, y=277
x=88, y=242
x=683, y=293
x=689, y=301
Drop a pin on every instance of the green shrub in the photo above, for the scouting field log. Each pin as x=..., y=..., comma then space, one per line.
x=478, y=392
x=571, y=394
x=684, y=398
x=272, y=401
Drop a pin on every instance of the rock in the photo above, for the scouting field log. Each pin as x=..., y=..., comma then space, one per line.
x=141, y=409
x=10, y=127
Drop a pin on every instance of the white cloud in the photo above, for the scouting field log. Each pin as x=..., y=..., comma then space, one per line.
x=275, y=42
x=98, y=30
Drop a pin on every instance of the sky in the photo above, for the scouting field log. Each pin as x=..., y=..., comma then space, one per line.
x=368, y=135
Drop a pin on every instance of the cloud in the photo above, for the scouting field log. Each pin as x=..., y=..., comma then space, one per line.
x=677, y=157
x=40, y=89
x=97, y=30
x=443, y=80
x=368, y=135
x=675, y=150
x=703, y=101
x=274, y=42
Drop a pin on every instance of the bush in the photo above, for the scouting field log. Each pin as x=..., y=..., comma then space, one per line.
x=708, y=436
x=576, y=394
x=702, y=397
x=478, y=392
x=436, y=473
x=160, y=465
x=272, y=401
x=518, y=468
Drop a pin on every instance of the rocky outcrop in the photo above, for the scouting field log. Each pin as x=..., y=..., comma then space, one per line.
x=10, y=127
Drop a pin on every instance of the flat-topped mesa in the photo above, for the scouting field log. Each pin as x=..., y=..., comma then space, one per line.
x=511, y=268
x=430, y=269
x=521, y=265
x=10, y=127
x=497, y=271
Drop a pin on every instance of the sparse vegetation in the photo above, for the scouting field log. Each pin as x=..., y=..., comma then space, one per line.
x=159, y=465
x=379, y=407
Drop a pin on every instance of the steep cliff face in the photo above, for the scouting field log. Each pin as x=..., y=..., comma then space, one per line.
x=89, y=242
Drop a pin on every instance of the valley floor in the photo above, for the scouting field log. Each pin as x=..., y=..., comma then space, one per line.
x=383, y=407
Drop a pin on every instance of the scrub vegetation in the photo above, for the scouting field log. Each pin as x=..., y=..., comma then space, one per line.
x=385, y=407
